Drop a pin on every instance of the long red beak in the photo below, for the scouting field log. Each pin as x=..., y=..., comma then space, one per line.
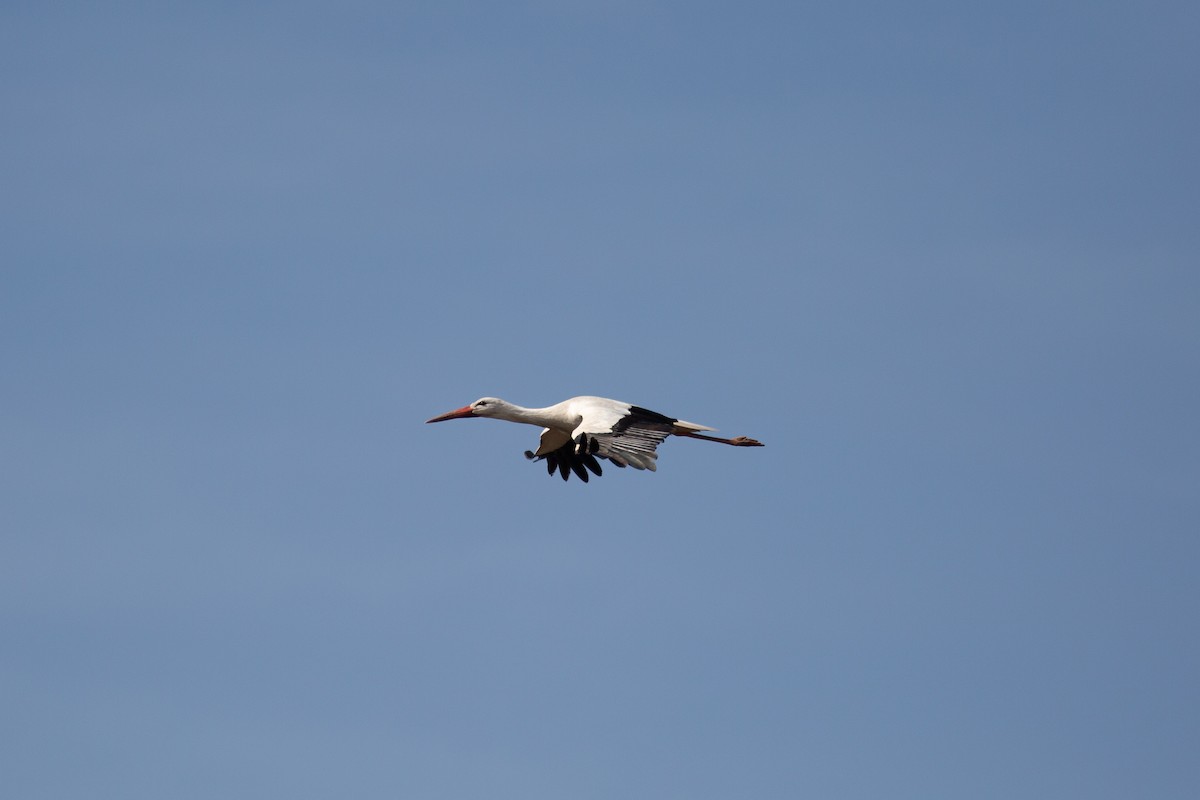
x=458, y=413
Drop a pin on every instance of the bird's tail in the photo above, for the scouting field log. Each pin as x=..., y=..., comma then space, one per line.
x=691, y=426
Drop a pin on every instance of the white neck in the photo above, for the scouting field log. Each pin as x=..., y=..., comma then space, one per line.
x=550, y=417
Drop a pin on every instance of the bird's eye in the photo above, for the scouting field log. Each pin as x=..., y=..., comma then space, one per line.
x=482, y=403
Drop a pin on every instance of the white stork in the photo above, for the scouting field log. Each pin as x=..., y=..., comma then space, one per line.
x=578, y=431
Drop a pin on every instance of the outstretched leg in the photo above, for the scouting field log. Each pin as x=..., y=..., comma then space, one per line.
x=737, y=441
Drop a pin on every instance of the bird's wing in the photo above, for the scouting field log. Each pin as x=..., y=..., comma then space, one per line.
x=551, y=440
x=630, y=440
x=560, y=453
x=626, y=435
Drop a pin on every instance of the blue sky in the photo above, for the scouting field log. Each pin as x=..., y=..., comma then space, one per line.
x=940, y=258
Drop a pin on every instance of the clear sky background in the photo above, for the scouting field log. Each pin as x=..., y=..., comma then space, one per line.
x=941, y=257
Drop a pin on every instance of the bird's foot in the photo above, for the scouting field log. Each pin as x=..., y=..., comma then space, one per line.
x=745, y=441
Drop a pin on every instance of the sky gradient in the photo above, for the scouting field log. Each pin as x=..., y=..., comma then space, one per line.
x=939, y=258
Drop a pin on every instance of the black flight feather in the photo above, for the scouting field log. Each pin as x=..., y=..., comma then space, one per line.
x=592, y=463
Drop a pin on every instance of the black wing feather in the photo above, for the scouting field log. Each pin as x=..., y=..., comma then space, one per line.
x=565, y=460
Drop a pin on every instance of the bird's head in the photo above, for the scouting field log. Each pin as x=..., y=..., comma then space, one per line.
x=483, y=407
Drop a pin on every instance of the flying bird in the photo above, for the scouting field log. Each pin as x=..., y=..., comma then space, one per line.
x=577, y=432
